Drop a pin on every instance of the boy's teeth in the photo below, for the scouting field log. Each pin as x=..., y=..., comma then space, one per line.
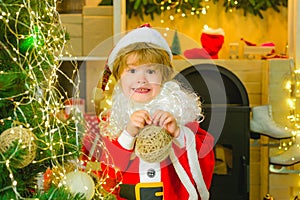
x=141, y=89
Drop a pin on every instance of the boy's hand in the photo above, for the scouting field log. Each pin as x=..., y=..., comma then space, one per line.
x=167, y=121
x=138, y=120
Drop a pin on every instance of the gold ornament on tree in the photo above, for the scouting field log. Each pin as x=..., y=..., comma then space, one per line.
x=153, y=144
x=25, y=139
x=57, y=173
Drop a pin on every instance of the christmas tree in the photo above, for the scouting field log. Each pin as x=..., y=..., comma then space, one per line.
x=40, y=142
x=175, y=47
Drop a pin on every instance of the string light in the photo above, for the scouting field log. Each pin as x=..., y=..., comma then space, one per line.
x=172, y=11
x=31, y=53
x=292, y=86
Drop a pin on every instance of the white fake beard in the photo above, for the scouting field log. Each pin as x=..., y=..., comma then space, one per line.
x=184, y=106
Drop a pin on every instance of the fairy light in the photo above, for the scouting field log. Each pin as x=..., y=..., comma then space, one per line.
x=173, y=10
x=293, y=87
x=36, y=55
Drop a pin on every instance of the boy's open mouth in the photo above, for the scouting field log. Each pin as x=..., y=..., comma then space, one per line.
x=141, y=90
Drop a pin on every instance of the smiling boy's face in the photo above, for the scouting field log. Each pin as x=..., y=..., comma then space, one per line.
x=140, y=83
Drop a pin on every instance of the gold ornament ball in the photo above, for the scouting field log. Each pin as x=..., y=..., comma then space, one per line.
x=59, y=171
x=25, y=139
x=153, y=144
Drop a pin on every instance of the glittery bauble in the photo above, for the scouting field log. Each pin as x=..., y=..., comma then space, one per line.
x=80, y=182
x=25, y=139
x=153, y=144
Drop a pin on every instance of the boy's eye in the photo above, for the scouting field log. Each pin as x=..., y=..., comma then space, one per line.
x=132, y=70
x=151, y=71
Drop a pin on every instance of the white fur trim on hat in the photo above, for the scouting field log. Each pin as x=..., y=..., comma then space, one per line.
x=210, y=31
x=143, y=34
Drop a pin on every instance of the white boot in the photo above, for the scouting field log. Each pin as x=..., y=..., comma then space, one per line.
x=288, y=157
x=262, y=122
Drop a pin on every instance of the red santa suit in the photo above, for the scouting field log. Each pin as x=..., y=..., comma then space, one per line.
x=185, y=174
x=137, y=170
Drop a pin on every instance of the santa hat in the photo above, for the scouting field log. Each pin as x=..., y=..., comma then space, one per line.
x=212, y=41
x=143, y=33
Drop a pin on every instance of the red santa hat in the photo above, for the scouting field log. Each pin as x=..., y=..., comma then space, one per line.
x=212, y=41
x=142, y=34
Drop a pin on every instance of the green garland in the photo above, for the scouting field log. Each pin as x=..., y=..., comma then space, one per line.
x=152, y=7
x=255, y=7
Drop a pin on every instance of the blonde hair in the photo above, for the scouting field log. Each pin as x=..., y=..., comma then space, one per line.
x=146, y=53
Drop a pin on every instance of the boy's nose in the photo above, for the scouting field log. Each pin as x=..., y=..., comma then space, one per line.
x=142, y=81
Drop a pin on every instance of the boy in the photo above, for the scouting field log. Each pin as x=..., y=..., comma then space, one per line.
x=144, y=95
